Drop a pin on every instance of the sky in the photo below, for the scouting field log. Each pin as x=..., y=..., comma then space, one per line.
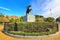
x=46, y=8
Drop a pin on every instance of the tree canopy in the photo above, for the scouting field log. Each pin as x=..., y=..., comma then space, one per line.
x=58, y=19
x=1, y=15
x=49, y=19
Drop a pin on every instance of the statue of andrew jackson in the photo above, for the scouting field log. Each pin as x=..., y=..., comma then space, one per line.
x=28, y=9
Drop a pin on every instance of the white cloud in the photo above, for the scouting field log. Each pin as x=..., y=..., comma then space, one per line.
x=55, y=9
x=38, y=4
x=42, y=7
x=4, y=8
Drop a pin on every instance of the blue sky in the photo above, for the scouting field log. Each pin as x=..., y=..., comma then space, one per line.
x=13, y=7
x=39, y=7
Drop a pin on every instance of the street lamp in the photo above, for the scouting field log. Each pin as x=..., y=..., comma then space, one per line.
x=50, y=12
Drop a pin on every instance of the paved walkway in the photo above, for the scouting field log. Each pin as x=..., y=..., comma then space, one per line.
x=6, y=37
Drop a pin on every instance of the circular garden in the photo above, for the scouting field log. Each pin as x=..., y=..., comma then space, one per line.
x=32, y=28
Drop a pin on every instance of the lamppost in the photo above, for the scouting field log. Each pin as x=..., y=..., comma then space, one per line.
x=50, y=12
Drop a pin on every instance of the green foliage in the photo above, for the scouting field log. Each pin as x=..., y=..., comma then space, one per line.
x=1, y=15
x=35, y=26
x=37, y=17
x=58, y=19
x=7, y=17
x=1, y=23
x=17, y=20
x=49, y=19
x=21, y=18
x=15, y=27
x=30, y=34
x=12, y=20
x=32, y=28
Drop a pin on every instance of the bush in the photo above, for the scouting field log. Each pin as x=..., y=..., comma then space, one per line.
x=36, y=26
x=33, y=28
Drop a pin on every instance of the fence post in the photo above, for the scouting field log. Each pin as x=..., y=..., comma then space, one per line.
x=5, y=26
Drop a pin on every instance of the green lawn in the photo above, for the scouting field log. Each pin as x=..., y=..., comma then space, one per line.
x=30, y=34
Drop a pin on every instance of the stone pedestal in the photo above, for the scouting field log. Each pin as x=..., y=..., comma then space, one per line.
x=29, y=18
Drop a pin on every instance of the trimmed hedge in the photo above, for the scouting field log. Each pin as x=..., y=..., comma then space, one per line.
x=34, y=27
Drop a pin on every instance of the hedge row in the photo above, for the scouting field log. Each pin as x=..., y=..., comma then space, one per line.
x=33, y=27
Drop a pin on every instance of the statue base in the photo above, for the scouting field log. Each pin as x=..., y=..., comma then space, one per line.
x=29, y=18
